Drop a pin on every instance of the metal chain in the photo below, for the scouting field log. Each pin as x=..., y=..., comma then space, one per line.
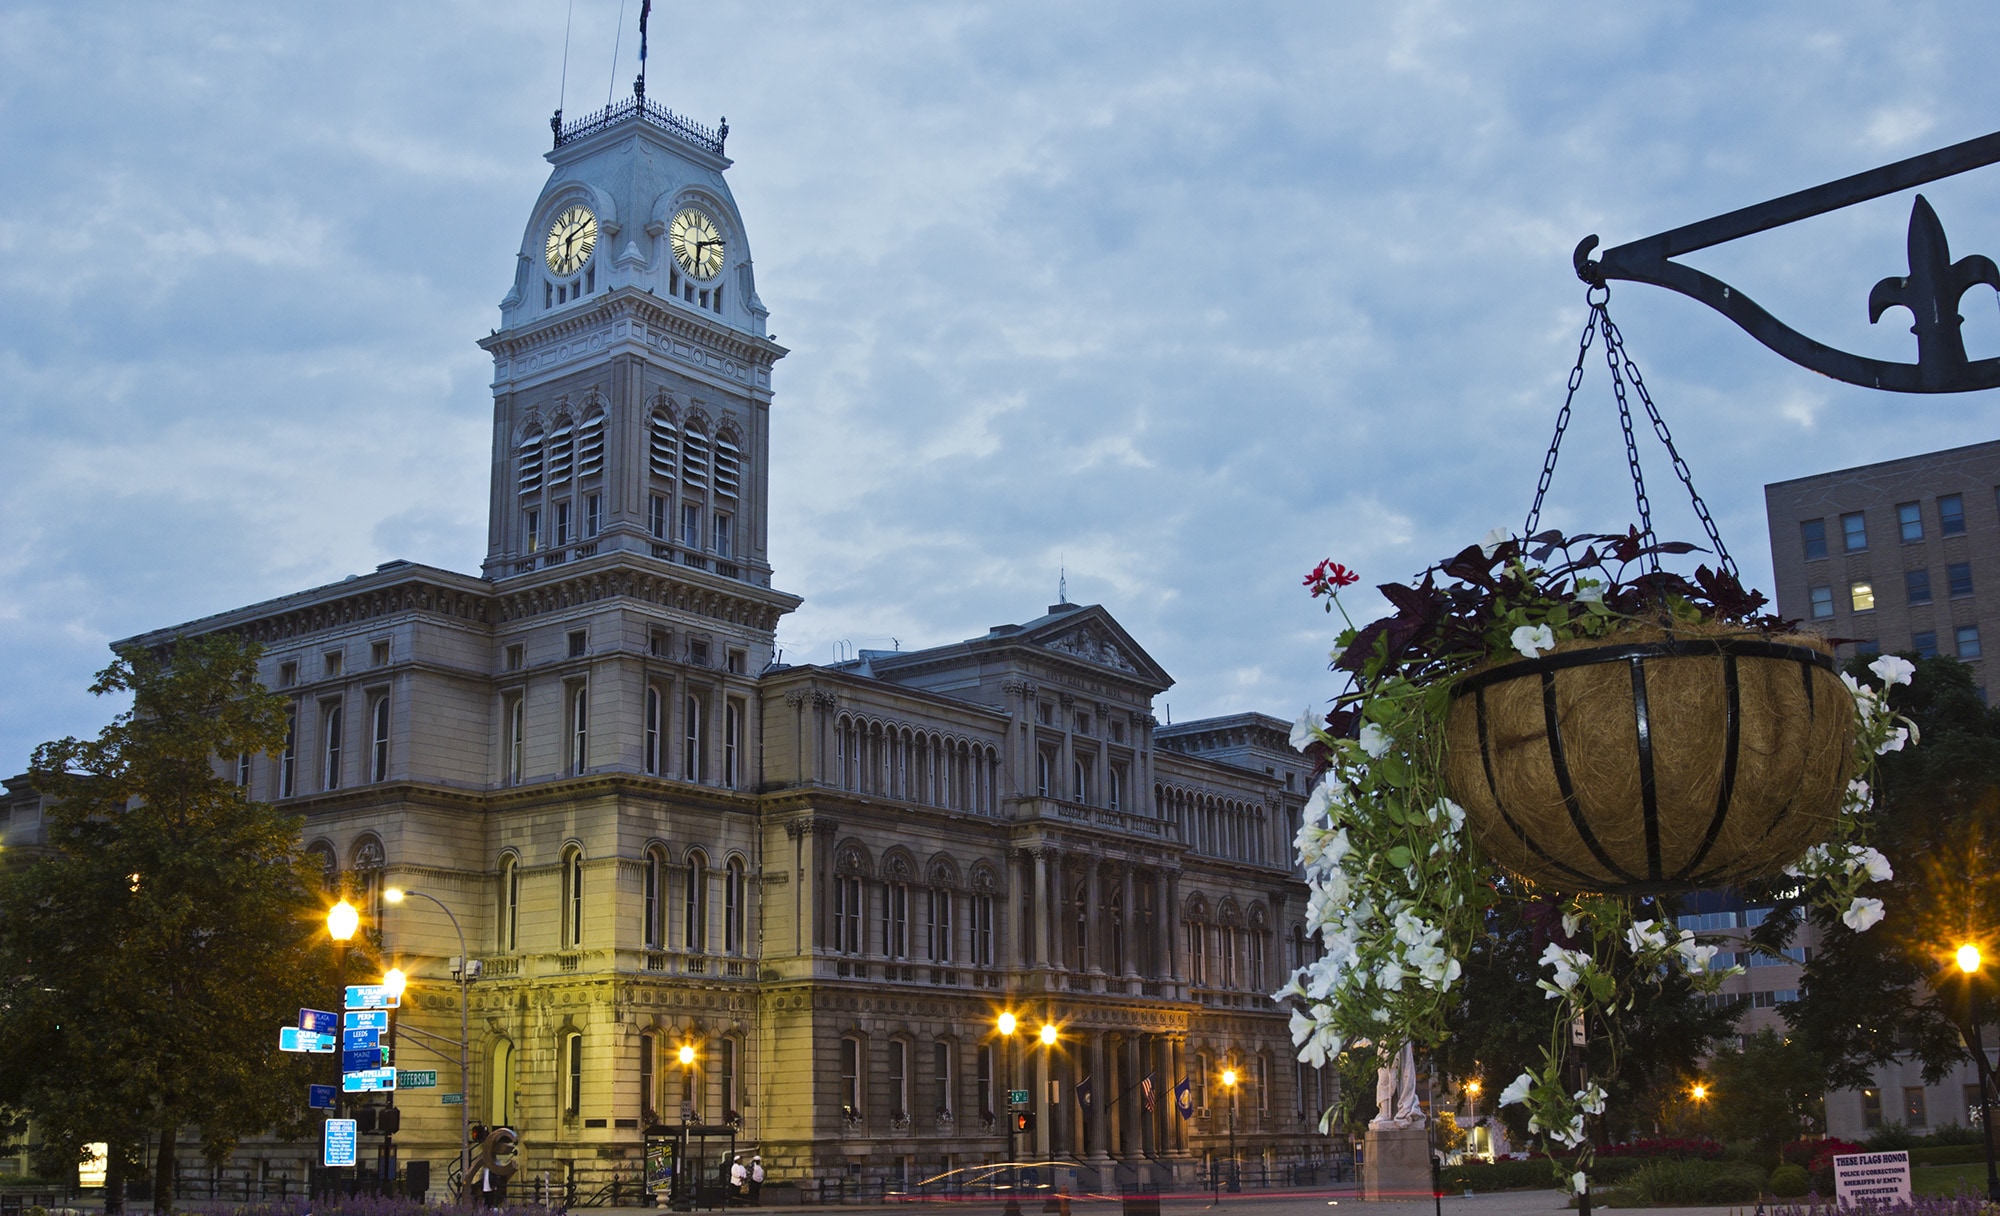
x=1611, y=351
x=1562, y=418
x=1615, y=342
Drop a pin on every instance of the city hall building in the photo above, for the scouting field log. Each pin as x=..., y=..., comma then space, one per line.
x=827, y=881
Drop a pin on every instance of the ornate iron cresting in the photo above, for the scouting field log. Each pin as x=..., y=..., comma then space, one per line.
x=636, y=106
x=1931, y=290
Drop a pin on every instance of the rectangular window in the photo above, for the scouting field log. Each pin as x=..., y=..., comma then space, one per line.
x=1917, y=585
x=896, y=920
x=1968, y=641
x=691, y=765
x=1822, y=603
x=725, y=1075
x=648, y=1080
x=982, y=930
x=514, y=657
x=330, y=768
x=656, y=516
x=1951, y=514
x=651, y=757
x=1197, y=965
x=593, y=514
x=243, y=768
x=579, y=640
x=1867, y=646
x=1115, y=795
x=847, y=915
x=331, y=661
x=694, y=908
x=899, y=1079
x=1925, y=644
x=657, y=643
x=732, y=743
x=378, y=761
x=691, y=525
x=1910, y=521
x=531, y=526
x=288, y=674
x=984, y=1067
x=1958, y=576
x=562, y=523
x=1861, y=593
x=940, y=901
x=941, y=1077
x=516, y=738
x=1871, y=1109
x=1812, y=534
x=1854, y=532
x=573, y=1098
x=737, y=663
x=723, y=546
x=378, y=655
x=1914, y=1114
x=579, y=737
x=652, y=900
x=733, y=899
x=850, y=1078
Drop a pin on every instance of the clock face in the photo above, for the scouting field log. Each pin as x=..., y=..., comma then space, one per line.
x=697, y=244
x=571, y=238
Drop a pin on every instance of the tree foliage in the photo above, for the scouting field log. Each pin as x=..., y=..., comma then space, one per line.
x=1767, y=1091
x=148, y=959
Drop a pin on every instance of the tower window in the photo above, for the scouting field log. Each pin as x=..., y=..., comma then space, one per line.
x=562, y=523
x=593, y=514
x=718, y=299
x=722, y=537
x=691, y=524
x=590, y=447
x=728, y=467
x=656, y=509
x=562, y=452
x=529, y=463
x=548, y=294
x=532, y=525
x=694, y=459
x=702, y=298
x=673, y=282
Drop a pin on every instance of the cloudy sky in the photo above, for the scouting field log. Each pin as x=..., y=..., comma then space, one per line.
x=1179, y=297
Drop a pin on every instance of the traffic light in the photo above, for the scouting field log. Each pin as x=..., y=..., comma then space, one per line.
x=364, y=1119
x=389, y=1121
x=1024, y=1120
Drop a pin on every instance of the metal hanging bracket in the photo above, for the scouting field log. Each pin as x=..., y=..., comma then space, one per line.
x=1931, y=290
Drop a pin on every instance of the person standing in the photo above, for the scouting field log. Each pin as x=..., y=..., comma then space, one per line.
x=739, y=1180
x=756, y=1179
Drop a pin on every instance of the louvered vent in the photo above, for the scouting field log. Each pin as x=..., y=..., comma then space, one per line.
x=665, y=439
x=531, y=463
x=728, y=468
x=694, y=459
x=562, y=452
x=590, y=447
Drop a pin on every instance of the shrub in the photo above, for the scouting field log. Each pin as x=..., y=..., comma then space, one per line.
x=1480, y=1176
x=1790, y=1181
x=1951, y=1134
x=1678, y=1147
x=1811, y=1153
x=1947, y=1154
x=1889, y=1137
x=1683, y=1182
x=1740, y=1185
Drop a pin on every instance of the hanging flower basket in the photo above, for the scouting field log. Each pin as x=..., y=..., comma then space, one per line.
x=1647, y=762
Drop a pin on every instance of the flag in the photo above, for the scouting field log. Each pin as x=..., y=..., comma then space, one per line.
x=1184, y=1099
x=1146, y=1090
x=645, y=11
x=1083, y=1093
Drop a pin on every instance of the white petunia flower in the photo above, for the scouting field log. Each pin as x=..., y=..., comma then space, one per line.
x=1894, y=743
x=1375, y=741
x=1531, y=640
x=1491, y=542
x=1862, y=914
x=1589, y=591
x=1517, y=1090
x=1305, y=730
x=1642, y=935
x=1578, y=1182
x=1591, y=1098
x=1872, y=861
x=1893, y=670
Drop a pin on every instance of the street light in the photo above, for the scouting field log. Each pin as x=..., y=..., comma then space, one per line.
x=1006, y=1025
x=341, y=922
x=1699, y=1093
x=396, y=896
x=1229, y=1088
x=1969, y=961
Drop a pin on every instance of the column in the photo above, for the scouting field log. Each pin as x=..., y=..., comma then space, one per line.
x=1129, y=946
x=1094, y=934
x=1009, y=928
x=1038, y=1096
x=1096, y=1120
x=1052, y=924
x=1132, y=1144
x=1178, y=1054
x=1038, y=932
x=1173, y=935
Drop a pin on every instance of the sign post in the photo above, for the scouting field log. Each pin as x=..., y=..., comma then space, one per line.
x=1876, y=1179
x=342, y=1139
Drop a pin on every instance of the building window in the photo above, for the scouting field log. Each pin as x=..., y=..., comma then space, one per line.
x=1197, y=964
x=562, y=536
x=665, y=440
x=330, y=663
x=242, y=768
x=732, y=740
x=1914, y=1114
x=288, y=674
x=982, y=930
x=651, y=746
x=847, y=915
x=288, y=759
x=378, y=655
x=649, y=1081
x=655, y=875
x=517, y=719
x=1042, y=774
x=562, y=452
x=1958, y=576
x=531, y=525
x=500, y=1094
x=573, y=1057
x=984, y=1071
x=896, y=920
x=691, y=525
x=1917, y=584
x=1925, y=644
x=728, y=458
x=940, y=901
x=378, y=761
x=510, y=901
x=1812, y=534
x=1199, y=1076
x=1910, y=521
x=593, y=514
x=735, y=892
x=1263, y=1073
x=656, y=517
x=899, y=1080
x=590, y=446
x=657, y=643
x=1871, y=1109
x=850, y=1078
x=941, y=1077
x=579, y=735
x=572, y=906
x=1115, y=793
x=514, y=656
x=690, y=1092
x=694, y=907
x=579, y=641
x=1951, y=514
x=1867, y=646
x=1968, y=641
x=1080, y=775
x=1822, y=603
x=1854, y=532
x=723, y=547
x=1861, y=593
x=330, y=770
x=528, y=463
x=691, y=765
x=725, y=1076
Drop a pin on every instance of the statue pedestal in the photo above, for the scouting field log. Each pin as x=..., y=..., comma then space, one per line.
x=1397, y=1164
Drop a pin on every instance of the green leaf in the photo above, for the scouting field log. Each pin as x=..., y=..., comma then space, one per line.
x=1399, y=856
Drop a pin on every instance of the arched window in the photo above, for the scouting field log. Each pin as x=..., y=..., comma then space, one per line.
x=590, y=446
x=1042, y=774
x=691, y=766
x=665, y=441
x=727, y=1070
x=323, y=860
x=655, y=903
x=942, y=1076
x=850, y=1079
x=652, y=726
x=734, y=892
x=330, y=761
x=528, y=463
x=378, y=756
x=649, y=1080
x=691, y=1088
x=940, y=924
x=1079, y=781
x=510, y=902
x=369, y=861
x=694, y=921
x=562, y=451
x=572, y=896
x=500, y=1089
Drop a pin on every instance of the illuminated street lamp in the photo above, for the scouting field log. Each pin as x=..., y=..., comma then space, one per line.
x=1048, y=1034
x=395, y=895
x=1699, y=1093
x=341, y=922
x=1229, y=1088
x=1006, y=1024
x=1970, y=960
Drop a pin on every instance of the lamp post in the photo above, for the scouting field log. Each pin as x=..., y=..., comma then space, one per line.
x=396, y=896
x=394, y=982
x=1006, y=1025
x=341, y=922
x=1970, y=961
x=1229, y=1088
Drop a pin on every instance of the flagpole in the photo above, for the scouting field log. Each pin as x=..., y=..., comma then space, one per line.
x=639, y=85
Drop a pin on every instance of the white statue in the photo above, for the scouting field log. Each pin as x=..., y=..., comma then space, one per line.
x=1396, y=1092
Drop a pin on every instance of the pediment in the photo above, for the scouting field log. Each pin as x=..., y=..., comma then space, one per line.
x=1090, y=635
x=1092, y=646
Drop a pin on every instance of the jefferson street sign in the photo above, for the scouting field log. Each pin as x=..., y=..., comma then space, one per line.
x=426, y=1079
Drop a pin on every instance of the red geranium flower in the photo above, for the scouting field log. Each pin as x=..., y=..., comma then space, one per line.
x=1329, y=577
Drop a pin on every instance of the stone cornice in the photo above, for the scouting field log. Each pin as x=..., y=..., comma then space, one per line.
x=642, y=306
x=671, y=586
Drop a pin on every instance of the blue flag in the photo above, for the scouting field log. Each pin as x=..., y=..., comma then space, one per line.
x=1184, y=1099
x=1083, y=1093
x=645, y=11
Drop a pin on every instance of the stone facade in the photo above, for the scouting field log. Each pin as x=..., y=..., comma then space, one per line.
x=826, y=880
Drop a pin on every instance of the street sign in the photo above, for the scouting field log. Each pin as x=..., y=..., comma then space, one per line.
x=291, y=1038
x=357, y=1040
x=368, y=1059
x=368, y=1081
x=320, y=1097
x=341, y=1140
x=451, y=1099
x=319, y=1021
x=1017, y=1099
x=425, y=1079
x=372, y=996
x=365, y=1019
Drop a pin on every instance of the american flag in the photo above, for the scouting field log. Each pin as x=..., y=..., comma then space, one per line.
x=1146, y=1090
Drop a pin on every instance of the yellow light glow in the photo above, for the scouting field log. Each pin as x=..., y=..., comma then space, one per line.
x=1968, y=958
x=1699, y=1093
x=1006, y=1023
x=394, y=981
x=1048, y=1033
x=393, y=894
x=1229, y=1077
x=687, y=1054
x=1472, y=1087
x=341, y=921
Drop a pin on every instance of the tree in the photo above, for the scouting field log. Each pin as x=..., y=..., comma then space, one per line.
x=149, y=958
x=1868, y=998
x=1769, y=1091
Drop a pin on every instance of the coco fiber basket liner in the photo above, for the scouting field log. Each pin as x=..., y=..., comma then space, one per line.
x=1652, y=761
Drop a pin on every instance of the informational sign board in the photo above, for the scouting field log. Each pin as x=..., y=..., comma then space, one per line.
x=417, y=1079
x=1017, y=1099
x=368, y=1081
x=451, y=1099
x=371, y=996
x=1876, y=1179
x=360, y=1040
x=365, y=1019
x=320, y=1097
x=291, y=1038
x=342, y=1138
x=319, y=1021
x=366, y=1060
x=90, y=1171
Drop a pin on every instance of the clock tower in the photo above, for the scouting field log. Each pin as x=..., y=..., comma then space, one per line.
x=631, y=370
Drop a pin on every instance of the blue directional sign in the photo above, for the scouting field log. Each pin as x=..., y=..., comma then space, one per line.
x=342, y=1137
x=366, y=1060
x=319, y=1021
x=291, y=1038
x=358, y=1040
x=370, y=1081
x=372, y=996
x=365, y=1019
x=320, y=1097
